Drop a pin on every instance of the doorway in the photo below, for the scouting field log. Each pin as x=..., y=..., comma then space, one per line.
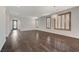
x=14, y=25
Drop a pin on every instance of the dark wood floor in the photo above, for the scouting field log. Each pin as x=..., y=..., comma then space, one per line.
x=39, y=41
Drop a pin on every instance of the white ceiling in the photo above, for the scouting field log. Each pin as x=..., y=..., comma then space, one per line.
x=35, y=11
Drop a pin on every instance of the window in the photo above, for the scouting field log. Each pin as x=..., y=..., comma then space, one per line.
x=63, y=21
x=48, y=22
x=14, y=24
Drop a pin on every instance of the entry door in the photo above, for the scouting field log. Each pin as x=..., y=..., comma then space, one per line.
x=14, y=22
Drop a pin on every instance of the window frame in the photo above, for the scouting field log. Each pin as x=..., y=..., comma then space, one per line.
x=64, y=21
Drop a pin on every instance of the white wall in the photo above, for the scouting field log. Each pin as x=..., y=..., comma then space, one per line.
x=8, y=24
x=2, y=26
x=42, y=22
x=27, y=23
x=74, y=24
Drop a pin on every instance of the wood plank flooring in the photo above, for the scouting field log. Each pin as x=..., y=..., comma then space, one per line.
x=39, y=41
